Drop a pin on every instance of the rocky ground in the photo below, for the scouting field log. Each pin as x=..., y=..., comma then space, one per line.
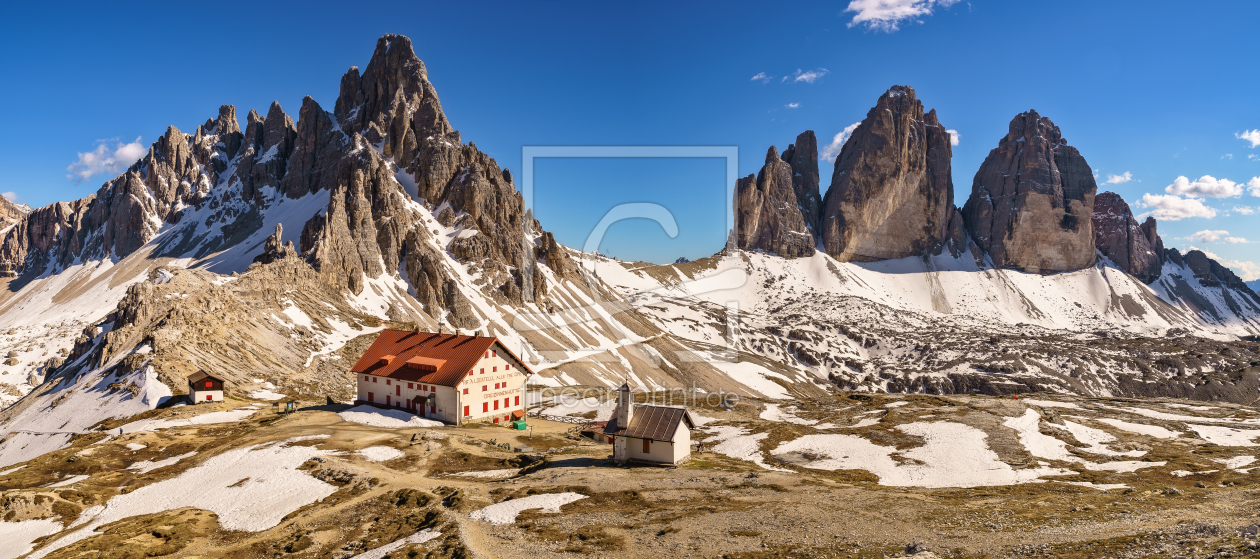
x=1081, y=478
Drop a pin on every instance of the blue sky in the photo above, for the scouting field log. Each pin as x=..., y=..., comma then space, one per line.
x=1157, y=90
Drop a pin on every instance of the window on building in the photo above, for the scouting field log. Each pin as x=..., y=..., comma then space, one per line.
x=507, y=367
x=409, y=386
x=496, y=420
x=494, y=369
x=518, y=401
x=465, y=391
x=398, y=390
x=209, y=384
x=496, y=404
x=387, y=381
x=373, y=379
x=485, y=407
x=487, y=355
x=494, y=353
x=647, y=446
x=371, y=397
x=484, y=388
x=470, y=372
x=483, y=370
x=365, y=378
x=505, y=403
x=465, y=411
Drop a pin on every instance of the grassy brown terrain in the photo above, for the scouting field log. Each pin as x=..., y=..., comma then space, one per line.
x=711, y=506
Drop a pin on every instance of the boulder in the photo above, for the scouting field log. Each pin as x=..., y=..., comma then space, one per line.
x=1032, y=201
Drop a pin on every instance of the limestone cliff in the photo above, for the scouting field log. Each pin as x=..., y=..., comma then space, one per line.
x=1136, y=249
x=891, y=195
x=1032, y=201
x=767, y=214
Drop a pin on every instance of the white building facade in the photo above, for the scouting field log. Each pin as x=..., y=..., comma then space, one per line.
x=488, y=387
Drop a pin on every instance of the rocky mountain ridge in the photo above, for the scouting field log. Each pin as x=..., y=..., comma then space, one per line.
x=380, y=214
x=891, y=194
x=1034, y=205
x=377, y=211
x=11, y=213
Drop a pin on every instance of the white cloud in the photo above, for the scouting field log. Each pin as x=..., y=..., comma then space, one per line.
x=1227, y=156
x=953, y=137
x=1206, y=252
x=810, y=76
x=1174, y=208
x=1207, y=236
x=12, y=197
x=1205, y=185
x=1234, y=240
x=1253, y=186
x=104, y=160
x=1252, y=136
x=888, y=15
x=1253, y=157
x=761, y=77
x=1248, y=271
x=1244, y=210
x=832, y=150
x=1119, y=179
x=792, y=105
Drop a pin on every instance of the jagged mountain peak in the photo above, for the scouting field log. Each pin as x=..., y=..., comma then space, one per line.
x=1033, y=171
x=1133, y=247
x=891, y=195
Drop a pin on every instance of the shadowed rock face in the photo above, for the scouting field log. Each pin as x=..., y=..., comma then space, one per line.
x=891, y=195
x=803, y=157
x=1032, y=201
x=1136, y=249
x=767, y=215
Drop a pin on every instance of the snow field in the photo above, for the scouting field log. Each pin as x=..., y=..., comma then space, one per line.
x=505, y=512
x=1095, y=440
x=774, y=412
x=1050, y=404
x=380, y=453
x=251, y=489
x=738, y=444
x=1139, y=428
x=146, y=466
x=954, y=455
x=69, y=481
x=18, y=536
x=416, y=538
x=378, y=417
x=1225, y=436
x=211, y=418
x=488, y=474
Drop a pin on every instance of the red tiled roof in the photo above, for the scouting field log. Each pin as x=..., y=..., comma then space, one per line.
x=441, y=359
